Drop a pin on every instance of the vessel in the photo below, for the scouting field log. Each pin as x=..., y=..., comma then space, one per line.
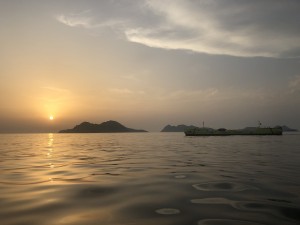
x=224, y=132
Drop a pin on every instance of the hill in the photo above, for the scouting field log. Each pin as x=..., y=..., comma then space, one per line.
x=179, y=128
x=105, y=127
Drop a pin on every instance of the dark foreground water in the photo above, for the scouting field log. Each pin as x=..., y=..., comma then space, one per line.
x=149, y=178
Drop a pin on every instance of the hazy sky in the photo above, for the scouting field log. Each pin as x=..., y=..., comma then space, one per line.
x=149, y=63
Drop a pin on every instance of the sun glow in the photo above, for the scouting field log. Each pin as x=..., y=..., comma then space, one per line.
x=51, y=117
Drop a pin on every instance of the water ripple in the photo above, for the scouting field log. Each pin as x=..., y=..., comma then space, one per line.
x=77, y=179
x=222, y=186
x=167, y=211
x=226, y=222
x=213, y=201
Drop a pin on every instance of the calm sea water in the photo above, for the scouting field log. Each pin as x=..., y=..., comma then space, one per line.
x=149, y=178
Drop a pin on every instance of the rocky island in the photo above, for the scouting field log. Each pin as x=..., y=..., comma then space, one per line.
x=105, y=127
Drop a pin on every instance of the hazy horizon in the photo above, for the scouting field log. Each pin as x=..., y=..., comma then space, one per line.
x=53, y=128
x=150, y=63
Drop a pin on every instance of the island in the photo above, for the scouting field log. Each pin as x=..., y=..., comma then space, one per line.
x=105, y=127
x=179, y=128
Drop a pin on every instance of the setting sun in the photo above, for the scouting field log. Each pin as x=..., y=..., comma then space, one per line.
x=51, y=118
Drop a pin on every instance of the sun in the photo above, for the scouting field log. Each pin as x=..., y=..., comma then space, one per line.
x=51, y=117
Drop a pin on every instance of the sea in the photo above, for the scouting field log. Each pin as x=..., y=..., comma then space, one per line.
x=149, y=179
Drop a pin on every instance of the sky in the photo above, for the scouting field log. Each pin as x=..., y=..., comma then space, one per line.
x=149, y=63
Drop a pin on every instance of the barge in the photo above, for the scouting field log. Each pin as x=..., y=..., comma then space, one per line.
x=224, y=132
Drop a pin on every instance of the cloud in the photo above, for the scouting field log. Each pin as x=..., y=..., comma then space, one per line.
x=220, y=27
x=86, y=20
x=130, y=78
x=55, y=89
x=185, y=95
x=75, y=21
x=125, y=91
x=54, y=95
x=121, y=91
x=294, y=85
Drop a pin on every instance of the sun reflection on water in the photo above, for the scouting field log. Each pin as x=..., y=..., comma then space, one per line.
x=50, y=151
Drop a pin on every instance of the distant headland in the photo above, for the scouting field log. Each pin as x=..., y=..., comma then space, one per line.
x=105, y=127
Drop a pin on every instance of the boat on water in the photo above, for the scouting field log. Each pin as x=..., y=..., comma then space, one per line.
x=224, y=132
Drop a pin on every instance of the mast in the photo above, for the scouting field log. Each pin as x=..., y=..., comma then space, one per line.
x=259, y=123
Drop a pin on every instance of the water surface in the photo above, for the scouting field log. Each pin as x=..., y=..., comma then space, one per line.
x=149, y=178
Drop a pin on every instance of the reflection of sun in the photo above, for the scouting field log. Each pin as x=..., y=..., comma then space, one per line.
x=51, y=118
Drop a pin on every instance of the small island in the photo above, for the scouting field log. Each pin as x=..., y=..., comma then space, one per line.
x=105, y=127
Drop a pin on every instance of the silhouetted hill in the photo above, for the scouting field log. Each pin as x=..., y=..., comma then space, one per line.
x=179, y=128
x=286, y=128
x=105, y=127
